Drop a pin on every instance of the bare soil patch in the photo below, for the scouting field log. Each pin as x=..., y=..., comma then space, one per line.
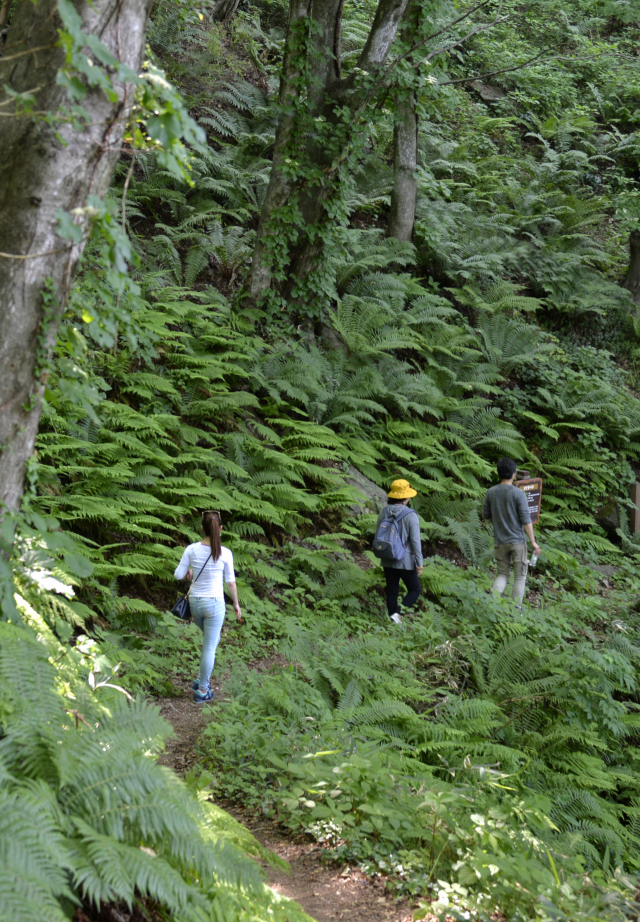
x=327, y=892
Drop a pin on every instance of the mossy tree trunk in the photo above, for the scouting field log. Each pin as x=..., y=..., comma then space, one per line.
x=320, y=114
x=48, y=169
x=404, y=193
x=632, y=278
x=224, y=10
x=405, y=162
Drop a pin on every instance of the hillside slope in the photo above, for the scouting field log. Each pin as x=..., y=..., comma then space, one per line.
x=479, y=758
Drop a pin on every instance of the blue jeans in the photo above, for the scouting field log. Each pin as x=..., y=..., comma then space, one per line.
x=208, y=614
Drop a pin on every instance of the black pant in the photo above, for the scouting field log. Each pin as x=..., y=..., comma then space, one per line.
x=412, y=582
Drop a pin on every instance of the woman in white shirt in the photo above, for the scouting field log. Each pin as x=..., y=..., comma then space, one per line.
x=209, y=561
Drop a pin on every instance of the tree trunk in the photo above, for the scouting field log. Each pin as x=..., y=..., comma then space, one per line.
x=312, y=132
x=281, y=184
x=632, y=278
x=46, y=168
x=405, y=161
x=224, y=10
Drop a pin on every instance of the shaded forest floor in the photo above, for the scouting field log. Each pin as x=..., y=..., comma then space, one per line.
x=327, y=892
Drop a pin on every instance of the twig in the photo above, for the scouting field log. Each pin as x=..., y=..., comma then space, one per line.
x=492, y=73
x=27, y=93
x=78, y=717
x=126, y=183
x=22, y=114
x=117, y=688
x=444, y=29
x=20, y=54
x=35, y=255
x=552, y=57
x=435, y=52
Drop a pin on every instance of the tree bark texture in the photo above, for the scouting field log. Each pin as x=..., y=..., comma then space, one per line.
x=224, y=10
x=405, y=144
x=405, y=162
x=44, y=169
x=632, y=278
x=323, y=100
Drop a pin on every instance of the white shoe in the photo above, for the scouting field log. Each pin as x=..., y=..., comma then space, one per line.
x=396, y=618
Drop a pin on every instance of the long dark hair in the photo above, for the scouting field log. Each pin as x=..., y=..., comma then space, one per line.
x=211, y=525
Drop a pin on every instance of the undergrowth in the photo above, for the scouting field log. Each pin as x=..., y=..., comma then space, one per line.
x=483, y=760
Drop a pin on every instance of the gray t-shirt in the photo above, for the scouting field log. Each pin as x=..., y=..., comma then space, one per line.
x=507, y=508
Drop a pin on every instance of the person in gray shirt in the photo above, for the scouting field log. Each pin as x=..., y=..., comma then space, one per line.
x=410, y=567
x=506, y=507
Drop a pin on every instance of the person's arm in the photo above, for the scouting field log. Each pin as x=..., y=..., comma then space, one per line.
x=183, y=569
x=233, y=592
x=230, y=580
x=414, y=540
x=486, y=508
x=529, y=532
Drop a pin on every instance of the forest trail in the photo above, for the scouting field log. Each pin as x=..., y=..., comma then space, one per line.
x=328, y=893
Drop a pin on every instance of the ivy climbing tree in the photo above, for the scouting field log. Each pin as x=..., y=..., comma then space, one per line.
x=632, y=278
x=325, y=116
x=63, y=120
x=73, y=95
x=405, y=141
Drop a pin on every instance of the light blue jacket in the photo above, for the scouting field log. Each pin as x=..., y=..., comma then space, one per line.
x=409, y=529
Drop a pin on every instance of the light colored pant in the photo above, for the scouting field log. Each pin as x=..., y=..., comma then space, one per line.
x=208, y=614
x=507, y=556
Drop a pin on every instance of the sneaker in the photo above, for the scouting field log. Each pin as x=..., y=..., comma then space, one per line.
x=195, y=685
x=396, y=618
x=202, y=698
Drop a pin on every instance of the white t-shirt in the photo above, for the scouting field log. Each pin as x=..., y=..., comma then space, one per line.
x=209, y=583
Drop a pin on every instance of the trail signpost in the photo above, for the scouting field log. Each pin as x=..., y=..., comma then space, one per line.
x=532, y=488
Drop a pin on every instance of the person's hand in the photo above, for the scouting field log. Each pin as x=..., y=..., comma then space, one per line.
x=189, y=574
x=536, y=548
x=419, y=570
x=238, y=612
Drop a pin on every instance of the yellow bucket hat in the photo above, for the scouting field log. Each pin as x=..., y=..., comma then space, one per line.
x=400, y=489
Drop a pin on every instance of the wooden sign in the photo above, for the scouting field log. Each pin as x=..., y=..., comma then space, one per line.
x=532, y=489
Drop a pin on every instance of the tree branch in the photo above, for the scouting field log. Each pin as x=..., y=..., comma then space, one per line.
x=444, y=29
x=492, y=73
x=34, y=255
x=20, y=54
x=382, y=33
x=552, y=57
x=434, y=53
x=128, y=180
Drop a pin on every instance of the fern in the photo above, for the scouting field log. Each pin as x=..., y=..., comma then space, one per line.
x=98, y=818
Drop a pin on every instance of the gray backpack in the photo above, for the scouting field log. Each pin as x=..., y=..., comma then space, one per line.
x=387, y=544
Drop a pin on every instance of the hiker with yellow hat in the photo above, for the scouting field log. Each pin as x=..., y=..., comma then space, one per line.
x=397, y=545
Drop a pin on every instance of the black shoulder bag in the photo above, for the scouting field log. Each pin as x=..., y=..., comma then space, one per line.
x=182, y=609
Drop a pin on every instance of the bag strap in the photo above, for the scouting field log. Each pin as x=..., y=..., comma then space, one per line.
x=401, y=514
x=198, y=576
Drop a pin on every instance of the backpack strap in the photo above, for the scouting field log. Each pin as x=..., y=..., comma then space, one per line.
x=402, y=513
x=201, y=569
x=400, y=516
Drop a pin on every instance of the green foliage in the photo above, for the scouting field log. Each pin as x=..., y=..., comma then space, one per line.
x=480, y=753
x=87, y=812
x=482, y=758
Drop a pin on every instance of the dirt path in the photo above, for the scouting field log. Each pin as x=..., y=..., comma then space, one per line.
x=326, y=892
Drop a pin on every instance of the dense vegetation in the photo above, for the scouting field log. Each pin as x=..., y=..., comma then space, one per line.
x=476, y=758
